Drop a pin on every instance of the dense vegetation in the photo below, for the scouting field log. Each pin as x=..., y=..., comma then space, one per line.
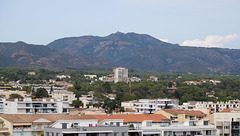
x=229, y=88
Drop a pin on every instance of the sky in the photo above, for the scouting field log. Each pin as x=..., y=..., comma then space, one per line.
x=202, y=23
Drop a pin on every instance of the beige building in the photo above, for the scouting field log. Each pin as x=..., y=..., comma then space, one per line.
x=227, y=123
x=6, y=93
x=32, y=124
x=64, y=95
x=177, y=116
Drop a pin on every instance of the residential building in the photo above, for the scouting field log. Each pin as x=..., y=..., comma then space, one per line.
x=106, y=79
x=87, y=99
x=152, y=78
x=129, y=105
x=87, y=111
x=120, y=74
x=187, y=129
x=192, y=82
x=226, y=122
x=34, y=124
x=6, y=93
x=177, y=116
x=153, y=105
x=217, y=107
x=63, y=76
x=213, y=81
x=52, y=80
x=136, y=120
x=149, y=105
x=64, y=95
x=90, y=76
x=34, y=106
x=31, y=73
x=63, y=84
x=87, y=131
x=135, y=79
x=49, y=88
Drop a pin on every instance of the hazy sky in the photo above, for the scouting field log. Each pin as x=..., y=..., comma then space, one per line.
x=209, y=23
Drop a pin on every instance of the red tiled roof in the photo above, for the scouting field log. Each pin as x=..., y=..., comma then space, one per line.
x=129, y=110
x=111, y=75
x=226, y=110
x=28, y=118
x=133, y=117
x=190, y=113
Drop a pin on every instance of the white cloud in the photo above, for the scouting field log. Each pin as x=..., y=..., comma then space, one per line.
x=211, y=41
x=164, y=40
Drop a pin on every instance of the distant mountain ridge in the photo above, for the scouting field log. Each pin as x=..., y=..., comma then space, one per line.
x=131, y=50
x=22, y=55
x=143, y=52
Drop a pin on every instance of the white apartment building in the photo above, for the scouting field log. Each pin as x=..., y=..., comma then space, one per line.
x=150, y=105
x=216, y=107
x=86, y=99
x=64, y=95
x=135, y=79
x=120, y=74
x=106, y=79
x=34, y=106
x=63, y=76
x=90, y=76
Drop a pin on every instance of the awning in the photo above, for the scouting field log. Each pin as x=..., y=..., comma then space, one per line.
x=70, y=132
x=151, y=132
x=22, y=124
x=48, y=108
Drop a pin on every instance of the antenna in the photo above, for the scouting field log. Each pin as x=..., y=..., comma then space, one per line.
x=130, y=85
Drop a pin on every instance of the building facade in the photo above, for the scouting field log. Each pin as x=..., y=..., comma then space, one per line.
x=120, y=74
x=150, y=105
x=34, y=106
x=64, y=95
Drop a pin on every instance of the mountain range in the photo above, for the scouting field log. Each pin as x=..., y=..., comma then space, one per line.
x=134, y=51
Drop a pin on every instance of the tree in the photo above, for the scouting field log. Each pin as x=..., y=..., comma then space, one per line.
x=106, y=87
x=77, y=103
x=41, y=92
x=99, y=97
x=14, y=96
x=128, y=97
x=109, y=105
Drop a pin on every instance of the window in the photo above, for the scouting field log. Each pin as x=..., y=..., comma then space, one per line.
x=205, y=123
x=47, y=133
x=226, y=127
x=149, y=124
x=52, y=134
x=27, y=110
x=208, y=132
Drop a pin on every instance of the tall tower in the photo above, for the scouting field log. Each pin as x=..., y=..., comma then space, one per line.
x=120, y=74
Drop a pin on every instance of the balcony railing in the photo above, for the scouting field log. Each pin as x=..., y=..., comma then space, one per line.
x=22, y=129
x=3, y=129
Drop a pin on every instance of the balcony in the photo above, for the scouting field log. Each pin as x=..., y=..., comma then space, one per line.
x=3, y=129
x=22, y=129
x=38, y=128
